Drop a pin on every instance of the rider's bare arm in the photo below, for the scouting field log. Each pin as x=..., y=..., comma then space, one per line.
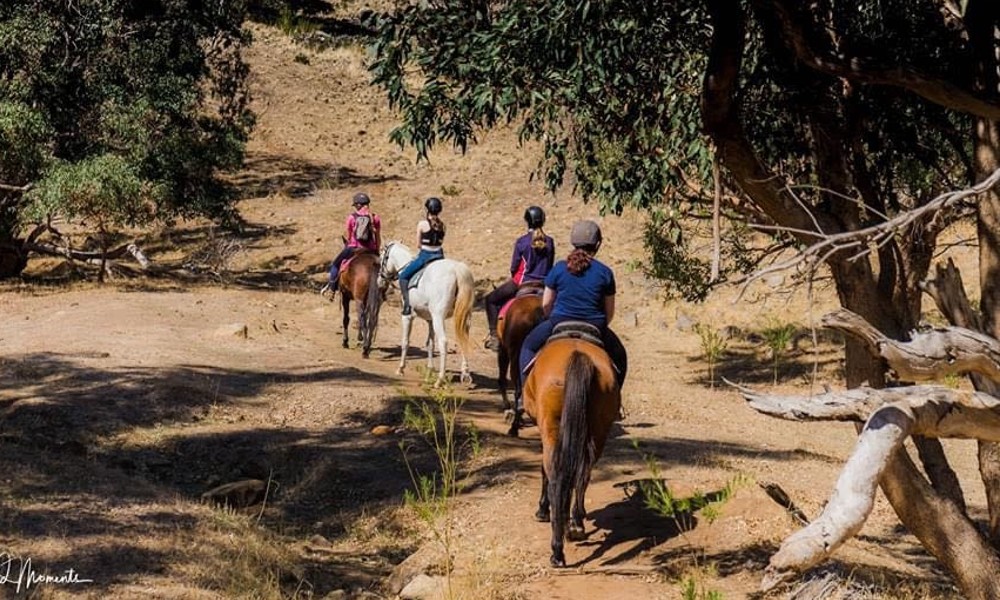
x=609, y=307
x=548, y=300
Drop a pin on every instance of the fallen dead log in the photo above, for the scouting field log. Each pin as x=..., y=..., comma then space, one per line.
x=929, y=354
x=91, y=258
x=895, y=414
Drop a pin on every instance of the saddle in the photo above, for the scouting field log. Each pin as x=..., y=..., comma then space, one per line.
x=577, y=330
x=530, y=288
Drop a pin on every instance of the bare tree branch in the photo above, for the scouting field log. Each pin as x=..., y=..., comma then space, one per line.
x=870, y=237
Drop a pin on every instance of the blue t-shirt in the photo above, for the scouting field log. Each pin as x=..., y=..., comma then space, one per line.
x=581, y=296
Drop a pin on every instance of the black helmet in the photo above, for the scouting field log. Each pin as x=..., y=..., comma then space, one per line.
x=433, y=205
x=585, y=234
x=534, y=216
x=361, y=199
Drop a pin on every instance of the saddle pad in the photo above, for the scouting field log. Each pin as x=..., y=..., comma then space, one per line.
x=415, y=279
x=580, y=330
x=505, y=307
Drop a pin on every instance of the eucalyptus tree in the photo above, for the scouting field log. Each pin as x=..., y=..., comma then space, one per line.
x=827, y=118
x=116, y=113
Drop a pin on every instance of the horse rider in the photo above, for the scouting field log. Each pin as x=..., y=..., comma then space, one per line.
x=430, y=232
x=364, y=231
x=580, y=288
x=534, y=253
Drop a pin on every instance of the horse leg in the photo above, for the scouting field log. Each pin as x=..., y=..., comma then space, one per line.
x=558, y=519
x=503, y=363
x=361, y=319
x=543, y=514
x=405, y=344
x=464, y=375
x=442, y=346
x=429, y=346
x=576, y=529
x=345, y=302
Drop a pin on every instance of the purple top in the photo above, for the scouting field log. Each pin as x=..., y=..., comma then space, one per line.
x=529, y=264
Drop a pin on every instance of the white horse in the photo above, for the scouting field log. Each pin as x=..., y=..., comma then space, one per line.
x=446, y=288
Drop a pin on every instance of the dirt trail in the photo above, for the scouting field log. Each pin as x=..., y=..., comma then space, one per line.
x=122, y=404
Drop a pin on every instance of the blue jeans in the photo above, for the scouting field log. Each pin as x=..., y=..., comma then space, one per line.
x=423, y=257
x=340, y=258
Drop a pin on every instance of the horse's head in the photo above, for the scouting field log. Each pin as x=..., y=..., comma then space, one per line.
x=390, y=262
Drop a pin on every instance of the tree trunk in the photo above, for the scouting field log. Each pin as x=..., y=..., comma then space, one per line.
x=13, y=258
x=981, y=19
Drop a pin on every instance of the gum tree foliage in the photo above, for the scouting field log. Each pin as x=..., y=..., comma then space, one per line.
x=117, y=113
x=826, y=117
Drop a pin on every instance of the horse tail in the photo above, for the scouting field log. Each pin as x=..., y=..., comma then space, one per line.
x=466, y=297
x=372, y=303
x=570, y=461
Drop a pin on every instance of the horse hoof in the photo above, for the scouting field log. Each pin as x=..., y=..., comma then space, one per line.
x=576, y=535
x=543, y=516
x=399, y=371
x=558, y=562
x=364, y=354
x=346, y=345
x=513, y=431
x=465, y=378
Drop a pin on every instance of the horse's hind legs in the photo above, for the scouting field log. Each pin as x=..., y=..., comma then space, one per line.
x=543, y=514
x=576, y=529
x=346, y=303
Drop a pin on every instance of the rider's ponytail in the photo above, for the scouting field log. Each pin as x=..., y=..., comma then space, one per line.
x=538, y=239
x=578, y=261
x=435, y=222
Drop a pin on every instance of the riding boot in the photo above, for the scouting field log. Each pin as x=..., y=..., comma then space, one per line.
x=492, y=341
x=404, y=291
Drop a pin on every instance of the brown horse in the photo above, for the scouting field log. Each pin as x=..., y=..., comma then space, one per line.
x=521, y=317
x=574, y=398
x=359, y=282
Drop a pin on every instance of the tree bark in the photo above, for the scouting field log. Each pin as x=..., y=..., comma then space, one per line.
x=981, y=20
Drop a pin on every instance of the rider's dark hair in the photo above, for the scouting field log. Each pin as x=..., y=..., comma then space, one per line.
x=579, y=259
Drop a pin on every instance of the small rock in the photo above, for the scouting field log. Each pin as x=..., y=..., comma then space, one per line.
x=631, y=319
x=381, y=430
x=428, y=557
x=775, y=281
x=424, y=587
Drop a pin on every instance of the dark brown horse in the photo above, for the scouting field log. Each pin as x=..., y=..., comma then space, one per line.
x=359, y=282
x=573, y=396
x=520, y=318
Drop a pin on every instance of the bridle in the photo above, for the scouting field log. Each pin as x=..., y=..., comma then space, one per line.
x=384, y=262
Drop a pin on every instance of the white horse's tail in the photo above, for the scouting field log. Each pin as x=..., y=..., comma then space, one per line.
x=464, y=301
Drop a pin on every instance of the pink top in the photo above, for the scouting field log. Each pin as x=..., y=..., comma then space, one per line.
x=371, y=244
